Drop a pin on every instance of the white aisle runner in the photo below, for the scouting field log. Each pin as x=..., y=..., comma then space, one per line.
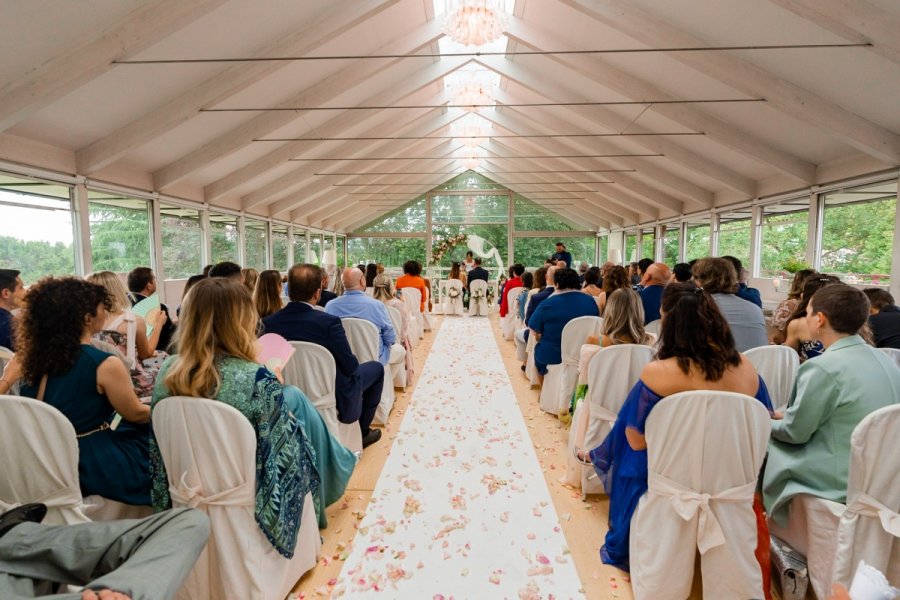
x=461, y=509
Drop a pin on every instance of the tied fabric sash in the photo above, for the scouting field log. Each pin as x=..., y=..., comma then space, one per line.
x=867, y=506
x=185, y=495
x=688, y=502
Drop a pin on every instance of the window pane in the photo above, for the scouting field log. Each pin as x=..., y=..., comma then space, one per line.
x=784, y=232
x=533, y=251
x=280, y=248
x=407, y=219
x=341, y=258
x=36, y=231
x=858, y=233
x=256, y=246
x=648, y=243
x=299, y=247
x=604, y=249
x=734, y=235
x=453, y=209
x=697, y=243
x=530, y=216
x=670, y=244
x=224, y=238
x=470, y=181
x=182, y=238
x=120, y=231
x=630, y=247
x=492, y=244
x=390, y=252
x=315, y=249
x=328, y=255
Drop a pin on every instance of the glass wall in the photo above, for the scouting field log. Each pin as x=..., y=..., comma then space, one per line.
x=530, y=216
x=120, y=231
x=734, y=235
x=648, y=243
x=697, y=242
x=459, y=209
x=280, y=248
x=328, y=253
x=489, y=240
x=604, y=248
x=256, y=244
x=671, y=239
x=391, y=252
x=37, y=236
x=182, y=238
x=630, y=248
x=533, y=251
x=315, y=248
x=858, y=233
x=299, y=246
x=784, y=230
x=224, y=238
x=406, y=219
x=341, y=256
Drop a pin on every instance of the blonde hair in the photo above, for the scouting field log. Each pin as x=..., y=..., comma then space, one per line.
x=623, y=318
x=267, y=294
x=217, y=319
x=384, y=287
x=115, y=290
x=250, y=277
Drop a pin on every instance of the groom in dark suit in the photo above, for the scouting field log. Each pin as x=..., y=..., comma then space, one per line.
x=357, y=386
x=478, y=272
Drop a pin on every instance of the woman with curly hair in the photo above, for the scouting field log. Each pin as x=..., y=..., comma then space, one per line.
x=411, y=278
x=616, y=278
x=59, y=366
x=696, y=352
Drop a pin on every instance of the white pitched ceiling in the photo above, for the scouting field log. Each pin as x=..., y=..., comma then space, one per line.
x=792, y=117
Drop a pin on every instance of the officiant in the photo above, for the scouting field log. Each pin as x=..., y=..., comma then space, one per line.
x=142, y=284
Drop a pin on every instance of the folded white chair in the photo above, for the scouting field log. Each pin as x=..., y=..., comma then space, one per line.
x=453, y=306
x=778, y=366
x=312, y=369
x=611, y=374
x=413, y=299
x=560, y=380
x=704, y=452
x=893, y=353
x=398, y=352
x=530, y=369
x=478, y=307
x=209, y=449
x=653, y=327
x=426, y=313
x=365, y=341
x=40, y=460
x=508, y=323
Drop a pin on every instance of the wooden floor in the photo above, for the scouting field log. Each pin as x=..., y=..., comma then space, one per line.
x=583, y=522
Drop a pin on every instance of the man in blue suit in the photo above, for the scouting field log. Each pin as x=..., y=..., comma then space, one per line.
x=357, y=386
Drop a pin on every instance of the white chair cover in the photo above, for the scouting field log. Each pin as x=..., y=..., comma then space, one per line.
x=778, y=366
x=611, y=374
x=530, y=368
x=705, y=450
x=869, y=528
x=478, y=308
x=653, y=327
x=426, y=314
x=522, y=346
x=452, y=306
x=40, y=460
x=365, y=341
x=312, y=369
x=398, y=361
x=220, y=479
x=413, y=299
x=508, y=323
x=560, y=380
x=893, y=353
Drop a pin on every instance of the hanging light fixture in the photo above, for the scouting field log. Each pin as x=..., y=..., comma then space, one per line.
x=471, y=133
x=472, y=95
x=474, y=22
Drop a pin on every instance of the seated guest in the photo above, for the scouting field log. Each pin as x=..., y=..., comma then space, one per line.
x=142, y=284
x=357, y=386
x=782, y=313
x=696, y=352
x=516, y=281
x=267, y=293
x=191, y=282
x=543, y=294
x=355, y=303
x=336, y=290
x=552, y=315
x=810, y=448
x=227, y=269
x=717, y=277
x=295, y=454
x=590, y=282
x=884, y=318
x=681, y=273
x=384, y=292
x=250, y=277
x=616, y=278
x=522, y=298
x=477, y=272
x=653, y=282
x=411, y=278
x=59, y=366
x=371, y=272
x=797, y=334
x=582, y=269
x=457, y=272
x=747, y=293
x=538, y=283
x=634, y=275
x=642, y=266
x=12, y=291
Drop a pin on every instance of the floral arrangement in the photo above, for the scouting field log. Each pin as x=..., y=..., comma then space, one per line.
x=453, y=293
x=490, y=294
x=441, y=248
x=478, y=294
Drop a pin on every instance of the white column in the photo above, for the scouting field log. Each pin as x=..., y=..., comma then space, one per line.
x=290, y=246
x=895, y=258
x=756, y=224
x=206, y=234
x=308, y=244
x=156, y=247
x=428, y=235
x=814, y=231
x=242, y=241
x=510, y=229
x=84, y=262
x=714, y=223
x=682, y=242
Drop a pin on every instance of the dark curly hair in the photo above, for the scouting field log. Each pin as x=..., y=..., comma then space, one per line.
x=412, y=267
x=48, y=336
x=694, y=332
x=616, y=279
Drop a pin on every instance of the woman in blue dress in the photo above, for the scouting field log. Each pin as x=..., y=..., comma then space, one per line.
x=696, y=352
x=89, y=386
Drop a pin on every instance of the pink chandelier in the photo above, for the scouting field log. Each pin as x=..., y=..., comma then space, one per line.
x=472, y=135
x=474, y=22
x=472, y=95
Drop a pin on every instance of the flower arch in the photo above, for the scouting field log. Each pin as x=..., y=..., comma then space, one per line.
x=441, y=248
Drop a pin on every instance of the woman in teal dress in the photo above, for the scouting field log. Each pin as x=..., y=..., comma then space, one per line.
x=87, y=385
x=696, y=352
x=295, y=453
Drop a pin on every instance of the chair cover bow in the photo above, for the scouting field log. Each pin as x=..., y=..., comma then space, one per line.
x=186, y=495
x=62, y=498
x=688, y=502
x=866, y=505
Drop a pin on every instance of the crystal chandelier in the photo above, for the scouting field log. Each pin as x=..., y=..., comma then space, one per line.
x=474, y=22
x=472, y=95
x=472, y=134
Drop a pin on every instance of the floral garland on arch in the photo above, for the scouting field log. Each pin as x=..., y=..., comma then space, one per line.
x=441, y=248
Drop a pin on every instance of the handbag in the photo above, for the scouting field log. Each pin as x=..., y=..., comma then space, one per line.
x=790, y=570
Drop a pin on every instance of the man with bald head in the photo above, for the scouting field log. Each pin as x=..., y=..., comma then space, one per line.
x=654, y=281
x=355, y=303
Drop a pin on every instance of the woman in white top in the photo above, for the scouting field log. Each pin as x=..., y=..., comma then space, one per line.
x=119, y=315
x=469, y=263
x=384, y=292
